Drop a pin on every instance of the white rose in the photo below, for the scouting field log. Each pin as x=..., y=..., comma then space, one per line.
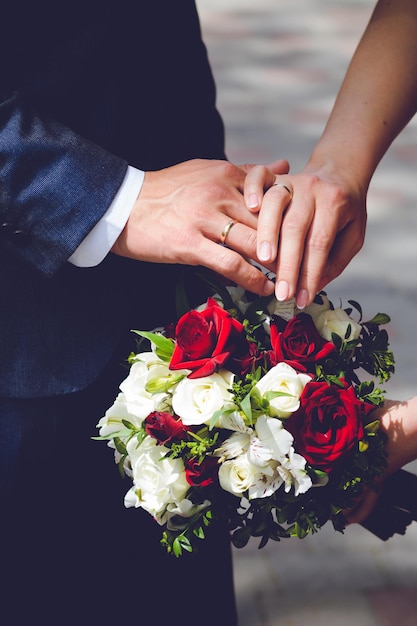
x=185, y=508
x=284, y=379
x=317, y=308
x=158, y=483
x=337, y=322
x=237, y=475
x=195, y=400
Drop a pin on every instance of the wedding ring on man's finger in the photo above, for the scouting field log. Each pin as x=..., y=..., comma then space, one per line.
x=226, y=230
x=290, y=191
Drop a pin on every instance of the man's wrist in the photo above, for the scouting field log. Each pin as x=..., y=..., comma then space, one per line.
x=99, y=241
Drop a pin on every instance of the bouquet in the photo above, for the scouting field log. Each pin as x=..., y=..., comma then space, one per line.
x=254, y=411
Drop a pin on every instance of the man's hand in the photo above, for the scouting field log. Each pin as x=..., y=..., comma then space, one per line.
x=181, y=213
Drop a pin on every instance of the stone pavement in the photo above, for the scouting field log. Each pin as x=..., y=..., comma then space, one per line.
x=278, y=65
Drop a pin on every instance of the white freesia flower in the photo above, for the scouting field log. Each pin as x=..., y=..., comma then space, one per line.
x=260, y=463
x=237, y=475
x=266, y=482
x=337, y=321
x=275, y=439
x=139, y=401
x=195, y=400
x=286, y=310
x=284, y=379
x=233, y=421
x=239, y=297
x=258, y=454
x=111, y=422
x=293, y=473
x=234, y=446
x=272, y=448
x=160, y=378
x=158, y=483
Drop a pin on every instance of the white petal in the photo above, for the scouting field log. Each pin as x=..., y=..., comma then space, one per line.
x=273, y=435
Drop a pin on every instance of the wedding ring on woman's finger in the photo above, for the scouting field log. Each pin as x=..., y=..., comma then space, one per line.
x=226, y=230
x=290, y=191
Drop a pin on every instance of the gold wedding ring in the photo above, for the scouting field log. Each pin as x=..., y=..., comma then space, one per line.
x=226, y=231
x=284, y=187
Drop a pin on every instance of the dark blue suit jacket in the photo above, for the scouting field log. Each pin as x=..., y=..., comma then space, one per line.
x=86, y=88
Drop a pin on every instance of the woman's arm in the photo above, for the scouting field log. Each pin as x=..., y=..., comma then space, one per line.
x=316, y=236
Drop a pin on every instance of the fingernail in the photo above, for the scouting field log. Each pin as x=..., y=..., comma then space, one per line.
x=253, y=201
x=282, y=291
x=302, y=299
x=265, y=251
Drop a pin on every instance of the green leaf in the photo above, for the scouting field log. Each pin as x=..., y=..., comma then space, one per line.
x=246, y=407
x=164, y=346
x=122, y=433
x=363, y=445
x=357, y=306
x=120, y=446
x=199, y=532
x=263, y=542
x=373, y=427
x=240, y=537
x=379, y=319
x=270, y=395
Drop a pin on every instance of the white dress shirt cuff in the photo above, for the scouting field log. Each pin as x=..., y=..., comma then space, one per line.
x=99, y=241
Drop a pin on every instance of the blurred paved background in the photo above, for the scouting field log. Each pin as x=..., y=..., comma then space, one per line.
x=278, y=65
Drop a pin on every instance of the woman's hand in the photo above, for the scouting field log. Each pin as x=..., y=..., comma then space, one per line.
x=310, y=227
x=399, y=421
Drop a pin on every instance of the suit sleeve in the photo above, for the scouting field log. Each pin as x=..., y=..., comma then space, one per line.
x=54, y=186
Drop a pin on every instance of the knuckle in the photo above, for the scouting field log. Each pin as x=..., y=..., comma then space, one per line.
x=320, y=242
x=230, y=261
x=250, y=241
x=294, y=226
x=227, y=169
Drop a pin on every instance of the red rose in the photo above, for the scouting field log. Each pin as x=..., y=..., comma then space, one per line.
x=164, y=427
x=298, y=343
x=206, y=340
x=201, y=474
x=249, y=361
x=328, y=424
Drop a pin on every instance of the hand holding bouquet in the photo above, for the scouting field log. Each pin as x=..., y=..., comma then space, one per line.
x=254, y=411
